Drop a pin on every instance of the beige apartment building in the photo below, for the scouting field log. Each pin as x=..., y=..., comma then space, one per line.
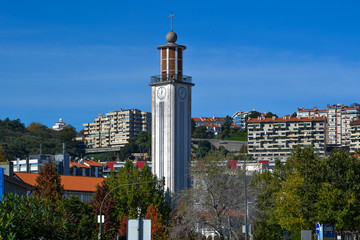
x=355, y=137
x=338, y=118
x=270, y=138
x=116, y=128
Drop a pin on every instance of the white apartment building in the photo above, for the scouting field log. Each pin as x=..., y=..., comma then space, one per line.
x=338, y=118
x=116, y=128
x=270, y=138
x=239, y=119
x=355, y=137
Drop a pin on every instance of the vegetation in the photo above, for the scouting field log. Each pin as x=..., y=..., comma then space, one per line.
x=132, y=200
x=232, y=133
x=139, y=144
x=17, y=141
x=2, y=155
x=48, y=184
x=215, y=202
x=25, y=217
x=306, y=190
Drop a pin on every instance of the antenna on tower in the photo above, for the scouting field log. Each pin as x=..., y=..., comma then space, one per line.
x=172, y=15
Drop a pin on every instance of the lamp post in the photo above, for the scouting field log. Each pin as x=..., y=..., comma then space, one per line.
x=102, y=202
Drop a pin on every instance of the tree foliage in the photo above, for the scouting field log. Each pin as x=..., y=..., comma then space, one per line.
x=29, y=218
x=201, y=132
x=25, y=217
x=158, y=230
x=270, y=115
x=19, y=142
x=215, y=202
x=2, y=155
x=80, y=219
x=130, y=200
x=306, y=190
x=48, y=183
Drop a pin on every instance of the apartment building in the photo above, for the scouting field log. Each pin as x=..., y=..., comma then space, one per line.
x=355, y=137
x=116, y=128
x=338, y=118
x=270, y=138
x=239, y=119
x=34, y=163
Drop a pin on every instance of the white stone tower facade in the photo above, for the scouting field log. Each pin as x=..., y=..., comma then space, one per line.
x=171, y=117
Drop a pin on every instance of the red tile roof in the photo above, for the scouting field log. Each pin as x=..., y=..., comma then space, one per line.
x=110, y=165
x=211, y=125
x=291, y=119
x=356, y=122
x=70, y=183
x=208, y=119
x=140, y=165
x=307, y=109
x=232, y=164
x=77, y=164
x=93, y=163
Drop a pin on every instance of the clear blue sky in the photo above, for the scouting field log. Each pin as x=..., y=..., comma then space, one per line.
x=76, y=59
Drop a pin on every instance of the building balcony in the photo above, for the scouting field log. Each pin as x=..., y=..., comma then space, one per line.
x=171, y=78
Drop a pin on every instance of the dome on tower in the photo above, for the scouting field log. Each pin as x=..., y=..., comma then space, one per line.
x=171, y=37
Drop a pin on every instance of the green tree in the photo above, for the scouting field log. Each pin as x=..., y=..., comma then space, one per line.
x=203, y=149
x=24, y=217
x=143, y=140
x=130, y=199
x=201, y=132
x=309, y=189
x=193, y=126
x=2, y=155
x=34, y=126
x=80, y=219
x=227, y=124
x=270, y=115
x=48, y=183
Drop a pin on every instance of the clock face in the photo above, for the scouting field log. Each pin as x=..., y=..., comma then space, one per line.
x=161, y=93
x=182, y=93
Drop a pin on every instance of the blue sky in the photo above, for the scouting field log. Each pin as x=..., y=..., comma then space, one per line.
x=76, y=59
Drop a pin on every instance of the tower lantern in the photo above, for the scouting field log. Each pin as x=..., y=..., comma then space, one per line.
x=171, y=117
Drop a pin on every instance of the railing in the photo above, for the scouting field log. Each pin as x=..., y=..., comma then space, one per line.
x=171, y=78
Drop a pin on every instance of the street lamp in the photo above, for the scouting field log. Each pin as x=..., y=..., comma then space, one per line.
x=102, y=202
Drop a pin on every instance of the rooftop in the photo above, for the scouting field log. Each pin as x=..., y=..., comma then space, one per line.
x=286, y=119
x=70, y=183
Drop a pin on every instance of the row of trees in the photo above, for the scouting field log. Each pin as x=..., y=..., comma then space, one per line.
x=308, y=189
x=18, y=141
x=47, y=214
x=294, y=196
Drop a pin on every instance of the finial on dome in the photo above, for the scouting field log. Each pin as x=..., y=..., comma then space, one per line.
x=172, y=15
x=171, y=37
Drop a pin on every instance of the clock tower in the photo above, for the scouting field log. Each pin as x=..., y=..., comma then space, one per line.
x=171, y=117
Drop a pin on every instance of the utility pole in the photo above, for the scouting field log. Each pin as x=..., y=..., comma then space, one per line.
x=245, y=196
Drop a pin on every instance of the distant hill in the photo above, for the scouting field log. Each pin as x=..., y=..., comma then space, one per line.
x=18, y=141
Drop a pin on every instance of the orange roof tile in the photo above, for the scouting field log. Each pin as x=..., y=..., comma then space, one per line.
x=70, y=183
x=356, y=122
x=292, y=119
x=77, y=164
x=93, y=163
x=210, y=125
x=307, y=109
